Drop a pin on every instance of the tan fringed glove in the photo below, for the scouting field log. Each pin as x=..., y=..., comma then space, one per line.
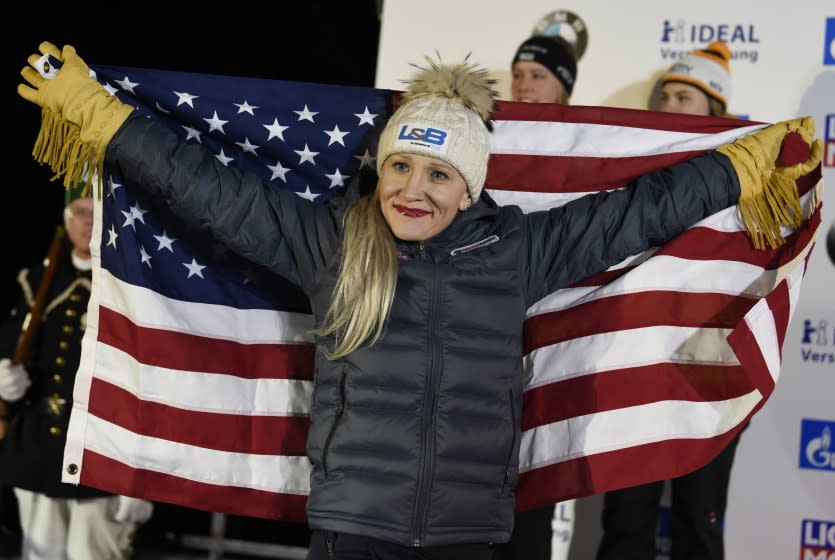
x=78, y=118
x=768, y=193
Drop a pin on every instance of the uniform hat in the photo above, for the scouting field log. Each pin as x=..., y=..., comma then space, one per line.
x=707, y=69
x=76, y=190
x=445, y=114
x=554, y=53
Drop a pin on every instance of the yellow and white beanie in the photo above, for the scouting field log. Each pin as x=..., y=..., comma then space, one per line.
x=445, y=114
x=707, y=69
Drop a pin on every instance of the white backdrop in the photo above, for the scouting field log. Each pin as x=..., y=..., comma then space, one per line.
x=782, y=494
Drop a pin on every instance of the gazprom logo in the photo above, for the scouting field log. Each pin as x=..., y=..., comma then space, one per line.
x=817, y=450
x=434, y=136
x=829, y=42
x=817, y=539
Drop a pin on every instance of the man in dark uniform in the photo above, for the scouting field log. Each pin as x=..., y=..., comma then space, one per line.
x=57, y=520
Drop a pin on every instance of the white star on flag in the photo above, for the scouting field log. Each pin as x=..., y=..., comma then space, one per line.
x=246, y=108
x=366, y=117
x=186, y=98
x=278, y=171
x=306, y=155
x=165, y=241
x=194, y=269
x=307, y=194
x=112, y=186
x=276, y=130
x=192, y=133
x=216, y=123
x=223, y=158
x=146, y=258
x=112, y=235
x=336, y=135
x=306, y=115
x=247, y=146
x=127, y=85
x=138, y=212
x=336, y=179
x=366, y=159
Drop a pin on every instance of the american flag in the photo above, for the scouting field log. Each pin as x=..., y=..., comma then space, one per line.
x=196, y=370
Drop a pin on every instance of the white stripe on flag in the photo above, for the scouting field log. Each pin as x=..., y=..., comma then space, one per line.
x=272, y=473
x=252, y=326
x=204, y=392
x=624, y=349
x=627, y=427
x=600, y=140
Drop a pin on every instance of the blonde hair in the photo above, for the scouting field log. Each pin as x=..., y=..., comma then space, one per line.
x=367, y=277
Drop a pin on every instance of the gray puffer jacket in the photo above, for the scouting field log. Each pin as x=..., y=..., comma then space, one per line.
x=415, y=439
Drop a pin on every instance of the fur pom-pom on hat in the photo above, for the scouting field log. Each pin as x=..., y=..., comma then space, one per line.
x=445, y=113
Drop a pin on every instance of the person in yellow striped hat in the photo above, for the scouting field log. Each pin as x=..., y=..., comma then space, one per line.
x=699, y=83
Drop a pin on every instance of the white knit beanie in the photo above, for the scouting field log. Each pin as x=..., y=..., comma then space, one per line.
x=445, y=114
x=707, y=69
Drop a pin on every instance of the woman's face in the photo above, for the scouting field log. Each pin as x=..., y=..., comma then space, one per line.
x=533, y=83
x=683, y=98
x=420, y=195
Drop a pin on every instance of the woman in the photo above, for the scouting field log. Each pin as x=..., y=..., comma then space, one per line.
x=699, y=84
x=543, y=70
x=418, y=292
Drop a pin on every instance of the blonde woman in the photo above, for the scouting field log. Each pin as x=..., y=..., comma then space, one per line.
x=418, y=292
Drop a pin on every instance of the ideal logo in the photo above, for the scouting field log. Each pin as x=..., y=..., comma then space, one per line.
x=829, y=138
x=434, y=137
x=816, y=447
x=819, y=342
x=817, y=540
x=742, y=38
x=829, y=42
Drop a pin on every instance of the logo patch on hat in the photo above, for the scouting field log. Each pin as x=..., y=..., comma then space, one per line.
x=428, y=137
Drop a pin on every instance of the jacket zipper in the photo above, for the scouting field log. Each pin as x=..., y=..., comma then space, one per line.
x=473, y=246
x=340, y=407
x=428, y=444
x=512, y=441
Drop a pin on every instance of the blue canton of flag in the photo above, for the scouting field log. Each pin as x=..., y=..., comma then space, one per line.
x=309, y=138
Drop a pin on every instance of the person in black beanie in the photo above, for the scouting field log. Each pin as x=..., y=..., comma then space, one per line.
x=544, y=70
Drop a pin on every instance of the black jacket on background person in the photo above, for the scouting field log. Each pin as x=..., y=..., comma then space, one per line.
x=415, y=439
x=31, y=454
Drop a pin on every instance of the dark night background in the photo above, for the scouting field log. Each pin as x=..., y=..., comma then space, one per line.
x=313, y=41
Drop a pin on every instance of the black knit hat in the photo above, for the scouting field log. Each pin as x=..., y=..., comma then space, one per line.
x=554, y=53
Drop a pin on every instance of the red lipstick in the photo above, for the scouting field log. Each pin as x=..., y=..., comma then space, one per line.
x=411, y=212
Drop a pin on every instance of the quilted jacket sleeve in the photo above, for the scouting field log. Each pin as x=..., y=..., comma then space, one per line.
x=590, y=234
x=271, y=226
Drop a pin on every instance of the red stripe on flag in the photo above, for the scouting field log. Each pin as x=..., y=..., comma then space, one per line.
x=569, y=174
x=182, y=351
x=633, y=311
x=591, y=115
x=699, y=243
x=103, y=472
x=621, y=388
x=236, y=433
x=617, y=469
